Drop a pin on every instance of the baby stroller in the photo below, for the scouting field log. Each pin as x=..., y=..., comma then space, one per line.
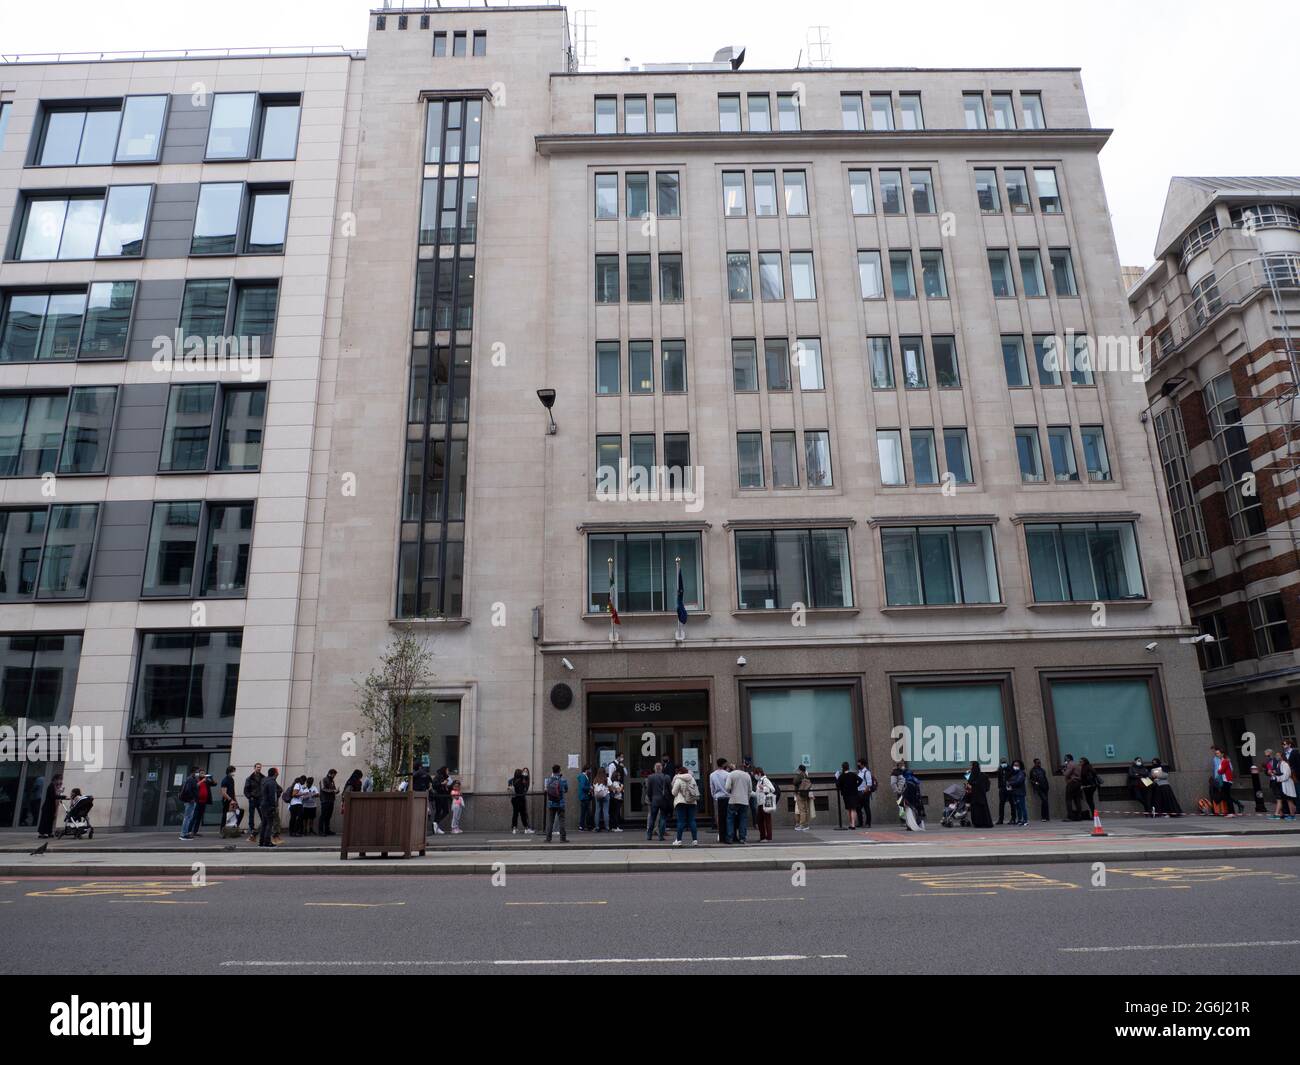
x=957, y=810
x=76, y=820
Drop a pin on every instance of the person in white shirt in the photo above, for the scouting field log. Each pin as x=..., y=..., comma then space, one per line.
x=740, y=785
x=718, y=789
x=763, y=788
x=864, y=793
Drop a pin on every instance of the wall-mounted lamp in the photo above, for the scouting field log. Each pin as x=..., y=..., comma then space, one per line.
x=547, y=396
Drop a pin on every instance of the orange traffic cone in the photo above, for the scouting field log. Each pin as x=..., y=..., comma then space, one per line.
x=1097, y=830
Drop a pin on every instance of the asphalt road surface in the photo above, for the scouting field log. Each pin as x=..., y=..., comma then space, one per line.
x=1199, y=917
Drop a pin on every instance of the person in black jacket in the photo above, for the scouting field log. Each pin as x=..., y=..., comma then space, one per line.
x=979, y=798
x=1042, y=788
x=518, y=787
x=1090, y=782
x=441, y=798
x=270, y=797
x=253, y=797
x=1004, y=792
x=1143, y=793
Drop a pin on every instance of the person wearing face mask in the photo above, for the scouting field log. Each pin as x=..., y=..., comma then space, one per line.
x=1142, y=792
x=1016, y=782
x=1004, y=792
x=1042, y=787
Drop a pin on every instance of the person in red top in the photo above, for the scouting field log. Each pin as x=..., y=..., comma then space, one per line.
x=201, y=804
x=1225, y=770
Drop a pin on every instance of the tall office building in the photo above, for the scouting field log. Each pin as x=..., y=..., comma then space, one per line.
x=818, y=348
x=1222, y=308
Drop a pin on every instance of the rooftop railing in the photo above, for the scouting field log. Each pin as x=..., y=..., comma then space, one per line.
x=176, y=53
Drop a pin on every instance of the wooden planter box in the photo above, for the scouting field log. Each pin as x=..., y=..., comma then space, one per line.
x=390, y=822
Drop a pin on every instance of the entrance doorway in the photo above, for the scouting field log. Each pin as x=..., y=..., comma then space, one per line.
x=156, y=781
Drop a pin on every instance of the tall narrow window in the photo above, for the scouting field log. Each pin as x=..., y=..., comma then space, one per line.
x=882, y=111
x=891, y=191
x=749, y=459
x=972, y=104
x=881, y=360
x=871, y=277
x=860, y=195
x=728, y=113
x=1061, y=443
x=851, y=111
x=1031, y=110
x=1029, y=455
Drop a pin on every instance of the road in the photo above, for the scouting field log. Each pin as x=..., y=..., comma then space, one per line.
x=1200, y=917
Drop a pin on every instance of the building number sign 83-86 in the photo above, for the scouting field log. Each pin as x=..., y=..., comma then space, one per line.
x=646, y=708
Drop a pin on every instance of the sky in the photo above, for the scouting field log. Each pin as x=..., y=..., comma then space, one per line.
x=1192, y=87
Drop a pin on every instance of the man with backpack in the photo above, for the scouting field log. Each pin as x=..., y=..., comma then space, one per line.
x=585, y=801
x=269, y=802
x=555, y=788
x=866, y=788
x=189, y=796
x=253, y=797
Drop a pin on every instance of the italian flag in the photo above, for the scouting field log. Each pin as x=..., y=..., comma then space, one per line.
x=613, y=597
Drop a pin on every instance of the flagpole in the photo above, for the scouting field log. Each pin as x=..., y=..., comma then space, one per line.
x=681, y=626
x=613, y=601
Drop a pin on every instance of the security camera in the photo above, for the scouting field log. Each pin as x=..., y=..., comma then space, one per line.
x=1152, y=646
x=1204, y=637
x=741, y=662
x=566, y=664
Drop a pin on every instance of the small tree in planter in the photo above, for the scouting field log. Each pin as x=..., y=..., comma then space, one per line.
x=395, y=709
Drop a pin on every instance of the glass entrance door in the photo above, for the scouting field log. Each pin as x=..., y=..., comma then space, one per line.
x=642, y=746
x=157, y=781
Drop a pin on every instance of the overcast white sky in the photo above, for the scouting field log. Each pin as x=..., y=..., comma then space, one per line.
x=1189, y=86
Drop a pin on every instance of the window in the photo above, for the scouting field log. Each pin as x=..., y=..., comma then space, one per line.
x=1189, y=527
x=187, y=682
x=606, y=115
x=667, y=194
x=771, y=285
x=1047, y=361
x=808, y=358
x=480, y=42
x=889, y=448
x=933, y=276
x=738, y=287
x=1060, y=442
x=1110, y=720
x=609, y=457
x=891, y=191
x=640, y=367
x=440, y=44
x=43, y=326
x=5, y=108
x=609, y=360
x=1206, y=302
x=1049, y=197
x=665, y=114
x=129, y=131
x=1031, y=110
x=1081, y=361
x=671, y=283
x=1013, y=361
x=641, y=461
x=803, y=281
x=909, y=111
x=956, y=448
x=986, y=191
x=817, y=458
x=810, y=726
x=198, y=549
x=237, y=117
x=187, y=429
x=1063, y=272
x=733, y=194
x=796, y=193
x=1000, y=273
x=1029, y=455
x=638, y=279
x=645, y=571
x=776, y=359
x=634, y=114
x=860, y=196
x=606, y=196
x=957, y=708
x=870, y=275
x=939, y=565
x=901, y=278
x=1095, y=459
x=749, y=459
x=851, y=111
x=759, y=106
x=881, y=359
x=1083, y=562
x=110, y=224
x=787, y=110
x=785, y=461
x=458, y=43
x=45, y=553
x=638, y=195
x=776, y=568
x=728, y=113
x=1233, y=453
x=925, y=460
x=65, y=433
x=40, y=681
x=744, y=366
x=264, y=213
x=946, y=372
x=1031, y=273
x=912, y=350
x=922, y=191
x=677, y=458
x=882, y=111
x=247, y=327
x=972, y=104
x=1269, y=622
x=673, y=354
x=1218, y=652
x=765, y=193
x=607, y=290
x=216, y=222
x=1018, y=191
x=1004, y=112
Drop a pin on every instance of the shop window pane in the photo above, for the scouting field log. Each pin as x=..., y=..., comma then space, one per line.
x=790, y=727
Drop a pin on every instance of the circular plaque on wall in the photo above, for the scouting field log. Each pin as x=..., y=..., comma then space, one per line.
x=561, y=697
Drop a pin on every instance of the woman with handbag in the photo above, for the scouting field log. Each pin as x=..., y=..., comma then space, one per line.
x=804, y=810
x=765, y=790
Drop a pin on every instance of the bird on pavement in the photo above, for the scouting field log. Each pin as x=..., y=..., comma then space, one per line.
x=41, y=849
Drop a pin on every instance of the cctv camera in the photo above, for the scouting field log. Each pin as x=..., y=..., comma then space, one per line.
x=741, y=661
x=566, y=664
x=1152, y=646
x=1205, y=637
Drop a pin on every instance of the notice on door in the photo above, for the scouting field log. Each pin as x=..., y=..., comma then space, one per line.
x=691, y=760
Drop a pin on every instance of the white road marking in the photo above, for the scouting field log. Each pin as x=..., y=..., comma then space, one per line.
x=361, y=905
x=1183, y=946
x=424, y=962
x=786, y=898
x=592, y=902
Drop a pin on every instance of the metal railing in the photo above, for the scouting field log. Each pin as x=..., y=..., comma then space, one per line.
x=175, y=53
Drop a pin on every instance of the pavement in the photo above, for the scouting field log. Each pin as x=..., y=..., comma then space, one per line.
x=1192, y=917
x=826, y=847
